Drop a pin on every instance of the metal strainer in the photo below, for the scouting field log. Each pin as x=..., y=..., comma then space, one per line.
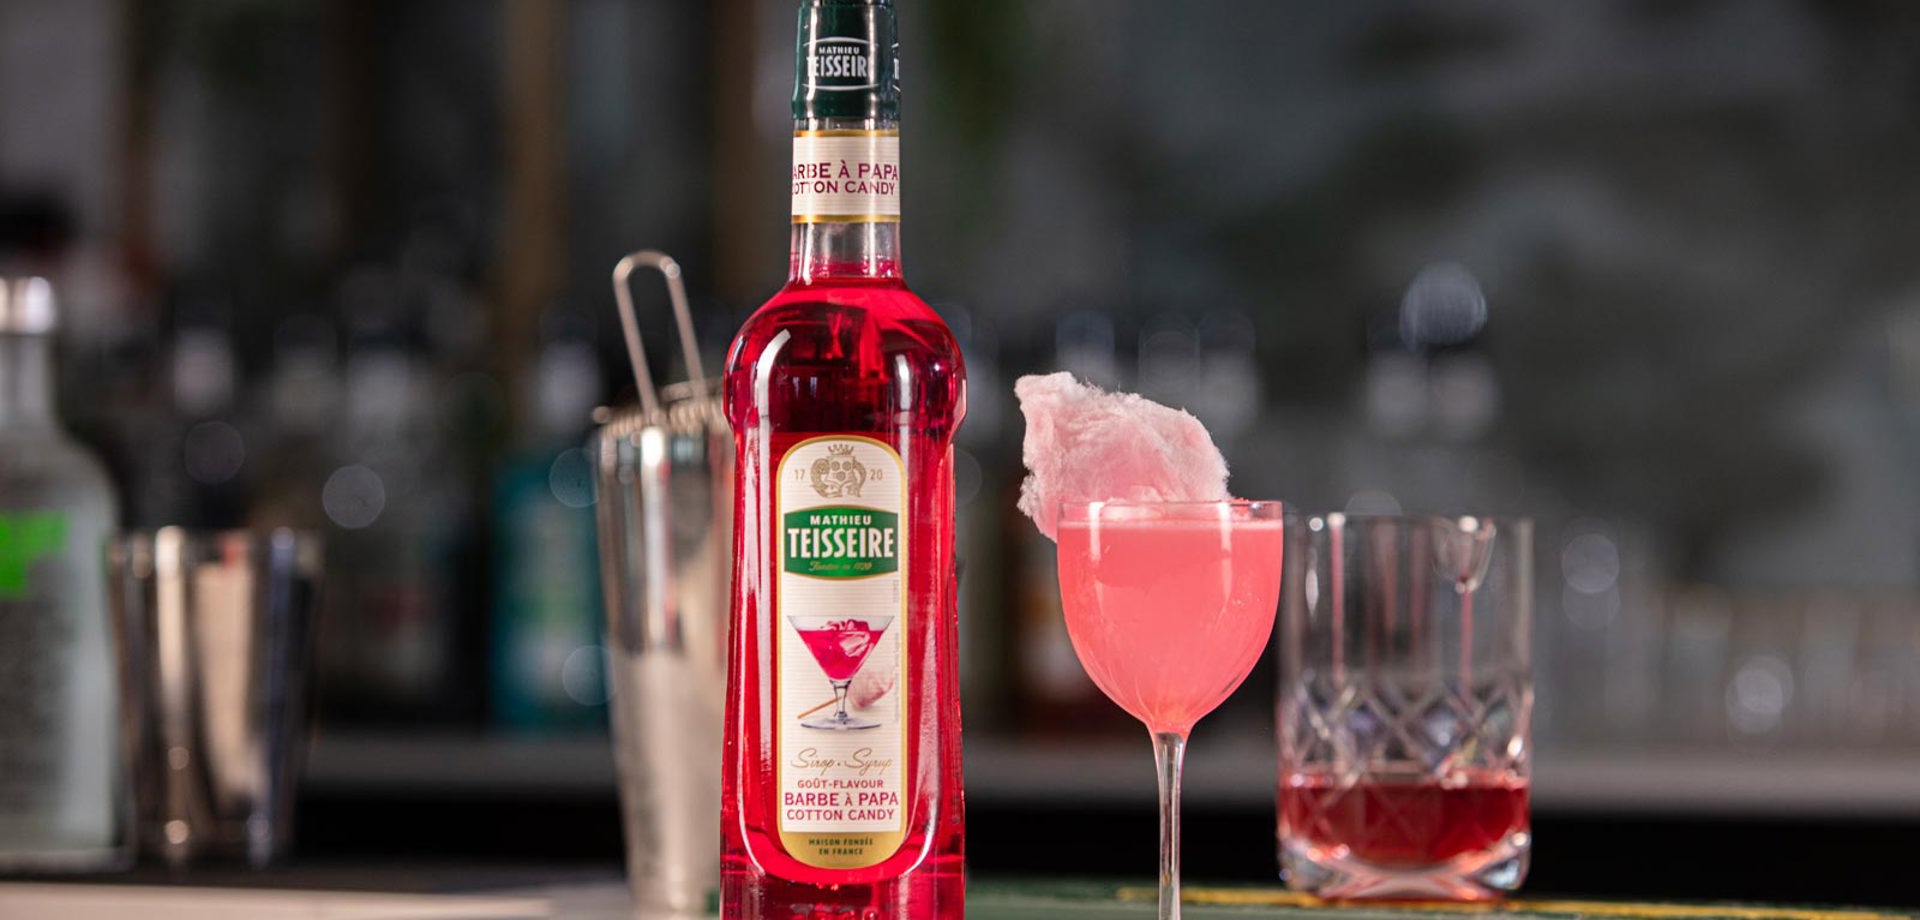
x=665, y=508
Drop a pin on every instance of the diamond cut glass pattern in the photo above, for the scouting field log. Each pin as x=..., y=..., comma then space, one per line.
x=1404, y=704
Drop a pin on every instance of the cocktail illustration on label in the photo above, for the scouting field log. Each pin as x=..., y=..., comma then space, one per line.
x=840, y=644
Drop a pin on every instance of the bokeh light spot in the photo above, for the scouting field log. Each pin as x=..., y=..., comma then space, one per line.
x=213, y=452
x=571, y=478
x=353, y=497
x=584, y=675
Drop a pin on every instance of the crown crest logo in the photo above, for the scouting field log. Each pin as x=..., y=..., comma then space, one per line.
x=838, y=474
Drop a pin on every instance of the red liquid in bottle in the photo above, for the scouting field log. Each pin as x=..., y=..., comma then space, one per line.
x=1403, y=825
x=846, y=356
x=844, y=392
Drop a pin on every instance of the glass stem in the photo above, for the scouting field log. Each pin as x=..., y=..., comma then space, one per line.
x=840, y=697
x=1168, y=750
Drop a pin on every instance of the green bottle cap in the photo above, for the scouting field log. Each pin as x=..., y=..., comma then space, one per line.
x=847, y=61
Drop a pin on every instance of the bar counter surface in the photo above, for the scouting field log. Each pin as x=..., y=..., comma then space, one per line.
x=606, y=899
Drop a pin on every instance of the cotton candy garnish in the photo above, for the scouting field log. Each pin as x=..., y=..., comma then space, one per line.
x=1085, y=444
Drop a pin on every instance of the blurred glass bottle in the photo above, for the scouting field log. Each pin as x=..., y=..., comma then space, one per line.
x=178, y=452
x=388, y=651
x=547, y=659
x=61, y=789
x=294, y=415
x=209, y=449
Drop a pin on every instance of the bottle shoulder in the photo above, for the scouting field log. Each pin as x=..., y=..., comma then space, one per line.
x=49, y=458
x=820, y=357
x=824, y=319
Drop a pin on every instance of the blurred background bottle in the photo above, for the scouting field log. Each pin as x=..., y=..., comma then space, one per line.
x=388, y=651
x=547, y=659
x=61, y=792
x=202, y=484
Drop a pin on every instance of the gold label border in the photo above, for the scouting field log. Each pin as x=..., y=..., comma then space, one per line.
x=849, y=132
x=846, y=218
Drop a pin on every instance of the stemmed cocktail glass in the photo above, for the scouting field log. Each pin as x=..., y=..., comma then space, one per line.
x=840, y=645
x=1169, y=604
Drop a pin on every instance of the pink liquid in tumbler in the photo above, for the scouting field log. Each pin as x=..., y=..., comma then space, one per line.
x=1411, y=823
x=1168, y=616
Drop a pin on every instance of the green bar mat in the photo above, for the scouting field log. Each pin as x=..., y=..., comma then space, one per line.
x=1020, y=901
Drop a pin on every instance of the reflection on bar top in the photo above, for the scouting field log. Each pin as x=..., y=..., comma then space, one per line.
x=566, y=896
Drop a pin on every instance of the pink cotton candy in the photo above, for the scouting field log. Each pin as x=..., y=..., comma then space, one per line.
x=870, y=686
x=1085, y=444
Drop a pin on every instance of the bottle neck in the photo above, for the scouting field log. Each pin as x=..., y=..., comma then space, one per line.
x=846, y=200
x=827, y=251
x=26, y=381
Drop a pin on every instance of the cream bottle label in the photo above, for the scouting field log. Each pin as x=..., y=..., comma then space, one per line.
x=840, y=628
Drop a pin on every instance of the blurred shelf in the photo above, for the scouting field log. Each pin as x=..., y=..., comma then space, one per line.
x=460, y=763
x=1705, y=784
x=1876, y=784
x=1231, y=772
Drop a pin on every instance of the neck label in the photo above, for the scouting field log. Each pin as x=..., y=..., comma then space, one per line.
x=850, y=176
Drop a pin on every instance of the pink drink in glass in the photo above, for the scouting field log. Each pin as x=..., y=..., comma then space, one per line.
x=1169, y=612
x=840, y=645
x=1405, y=705
x=1169, y=604
x=1403, y=822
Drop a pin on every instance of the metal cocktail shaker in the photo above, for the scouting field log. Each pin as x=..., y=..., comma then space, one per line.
x=213, y=632
x=665, y=476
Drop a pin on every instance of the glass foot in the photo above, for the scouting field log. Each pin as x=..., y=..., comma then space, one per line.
x=840, y=722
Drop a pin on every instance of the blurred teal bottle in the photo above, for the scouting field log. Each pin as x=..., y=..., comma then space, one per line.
x=548, y=665
x=62, y=791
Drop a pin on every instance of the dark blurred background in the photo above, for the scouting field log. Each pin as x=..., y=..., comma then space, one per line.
x=1644, y=270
